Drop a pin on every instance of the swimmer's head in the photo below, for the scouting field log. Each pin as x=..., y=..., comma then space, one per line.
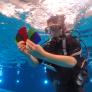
x=55, y=24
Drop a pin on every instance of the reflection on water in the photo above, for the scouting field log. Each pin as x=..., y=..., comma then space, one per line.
x=4, y=90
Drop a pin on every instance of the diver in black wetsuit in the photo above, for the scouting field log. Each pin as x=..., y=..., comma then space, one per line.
x=62, y=55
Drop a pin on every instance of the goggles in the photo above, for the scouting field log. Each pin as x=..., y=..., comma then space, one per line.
x=53, y=28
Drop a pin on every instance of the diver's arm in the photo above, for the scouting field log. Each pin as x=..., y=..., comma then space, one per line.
x=61, y=60
x=34, y=61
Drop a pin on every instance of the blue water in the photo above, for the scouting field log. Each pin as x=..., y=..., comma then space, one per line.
x=16, y=74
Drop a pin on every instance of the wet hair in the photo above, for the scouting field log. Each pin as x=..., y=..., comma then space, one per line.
x=55, y=19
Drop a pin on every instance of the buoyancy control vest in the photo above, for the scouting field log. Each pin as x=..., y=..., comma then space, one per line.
x=67, y=46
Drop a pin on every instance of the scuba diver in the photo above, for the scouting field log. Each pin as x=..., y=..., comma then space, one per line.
x=66, y=67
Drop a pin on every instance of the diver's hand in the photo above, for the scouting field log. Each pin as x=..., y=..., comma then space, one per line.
x=31, y=46
x=22, y=46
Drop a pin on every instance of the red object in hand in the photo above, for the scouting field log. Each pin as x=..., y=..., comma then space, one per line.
x=22, y=34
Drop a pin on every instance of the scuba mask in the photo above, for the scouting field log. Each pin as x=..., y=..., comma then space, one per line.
x=52, y=28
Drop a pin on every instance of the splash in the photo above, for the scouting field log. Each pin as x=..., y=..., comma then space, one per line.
x=39, y=11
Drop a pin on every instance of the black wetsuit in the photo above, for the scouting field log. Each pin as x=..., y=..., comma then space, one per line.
x=64, y=78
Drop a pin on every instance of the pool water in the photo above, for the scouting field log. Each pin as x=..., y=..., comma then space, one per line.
x=16, y=73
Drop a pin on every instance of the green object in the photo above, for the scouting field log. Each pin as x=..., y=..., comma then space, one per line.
x=28, y=33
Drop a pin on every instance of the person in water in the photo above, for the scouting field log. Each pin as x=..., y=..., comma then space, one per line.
x=61, y=55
